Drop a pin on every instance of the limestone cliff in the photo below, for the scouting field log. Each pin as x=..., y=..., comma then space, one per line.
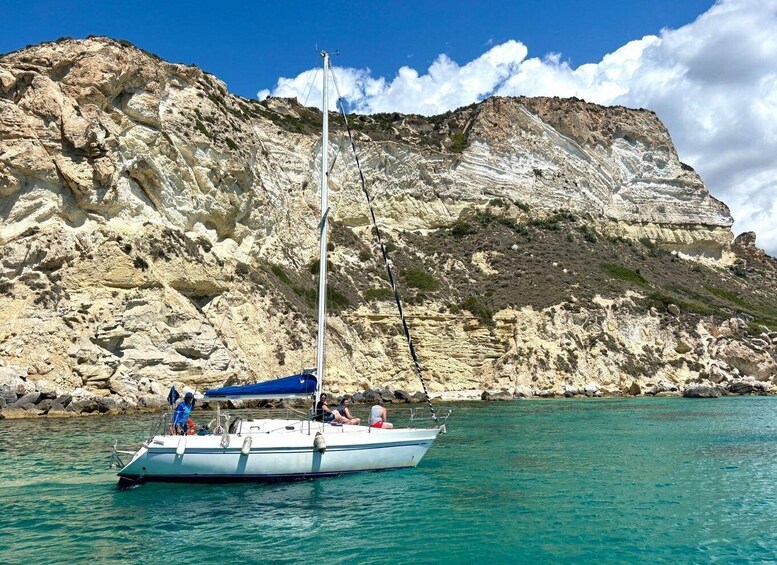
x=157, y=229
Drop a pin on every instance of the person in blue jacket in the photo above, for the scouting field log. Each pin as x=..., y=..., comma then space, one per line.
x=182, y=412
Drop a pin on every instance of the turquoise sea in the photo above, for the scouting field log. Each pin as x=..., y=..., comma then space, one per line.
x=665, y=480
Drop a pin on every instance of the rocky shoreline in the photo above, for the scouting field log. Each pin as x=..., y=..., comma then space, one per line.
x=17, y=401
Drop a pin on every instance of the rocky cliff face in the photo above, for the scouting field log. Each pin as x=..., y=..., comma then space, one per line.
x=156, y=229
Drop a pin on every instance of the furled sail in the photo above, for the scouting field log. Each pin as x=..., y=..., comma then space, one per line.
x=294, y=386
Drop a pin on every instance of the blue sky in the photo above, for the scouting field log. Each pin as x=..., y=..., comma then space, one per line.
x=707, y=68
x=249, y=45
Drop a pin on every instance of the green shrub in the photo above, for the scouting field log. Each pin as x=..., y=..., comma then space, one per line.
x=550, y=223
x=202, y=129
x=727, y=295
x=380, y=294
x=458, y=142
x=589, y=234
x=647, y=242
x=624, y=274
x=419, y=279
x=739, y=271
x=697, y=307
x=462, y=228
x=309, y=294
x=315, y=264
x=479, y=309
x=278, y=271
x=659, y=300
x=336, y=298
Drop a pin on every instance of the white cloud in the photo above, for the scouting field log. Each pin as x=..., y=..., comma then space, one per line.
x=712, y=82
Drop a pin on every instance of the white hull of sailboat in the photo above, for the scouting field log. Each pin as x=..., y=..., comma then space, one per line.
x=278, y=453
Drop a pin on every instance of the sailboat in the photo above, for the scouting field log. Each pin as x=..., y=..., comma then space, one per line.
x=282, y=448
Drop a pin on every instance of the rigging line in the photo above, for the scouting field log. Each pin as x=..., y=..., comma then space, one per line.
x=386, y=262
x=309, y=87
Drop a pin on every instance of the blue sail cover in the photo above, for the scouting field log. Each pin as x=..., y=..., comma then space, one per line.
x=286, y=387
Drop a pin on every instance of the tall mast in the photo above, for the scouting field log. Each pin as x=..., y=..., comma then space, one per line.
x=322, y=253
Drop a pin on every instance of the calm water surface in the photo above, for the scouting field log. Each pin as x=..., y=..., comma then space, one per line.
x=566, y=481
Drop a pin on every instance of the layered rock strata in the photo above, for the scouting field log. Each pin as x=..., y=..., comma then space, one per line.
x=157, y=230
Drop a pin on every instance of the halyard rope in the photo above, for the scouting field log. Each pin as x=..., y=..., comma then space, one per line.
x=383, y=251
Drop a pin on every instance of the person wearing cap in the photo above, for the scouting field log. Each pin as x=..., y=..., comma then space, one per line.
x=182, y=412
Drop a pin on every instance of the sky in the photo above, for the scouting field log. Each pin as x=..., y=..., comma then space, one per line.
x=708, y=69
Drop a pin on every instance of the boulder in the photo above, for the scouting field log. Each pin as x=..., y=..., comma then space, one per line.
x=700, y=391
x=8, y=396
x=46, y=389
x=371, y=395
x=57, y=407
x=718, y=374
x=570, y=391
x=523, y=391
x=85, y=406
x=634, y=389
x=663, y=386
x=357, y=398
x=31, y=398
x=64, y=400
x=151, y=401
x=144, y=384
x=12, y=385
x=420, y=397
x=44, y=404
x=497, y=395
x=749, y=386
x=740, y=387
x=747, y=360
x=402, y=396
x=107, y=404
